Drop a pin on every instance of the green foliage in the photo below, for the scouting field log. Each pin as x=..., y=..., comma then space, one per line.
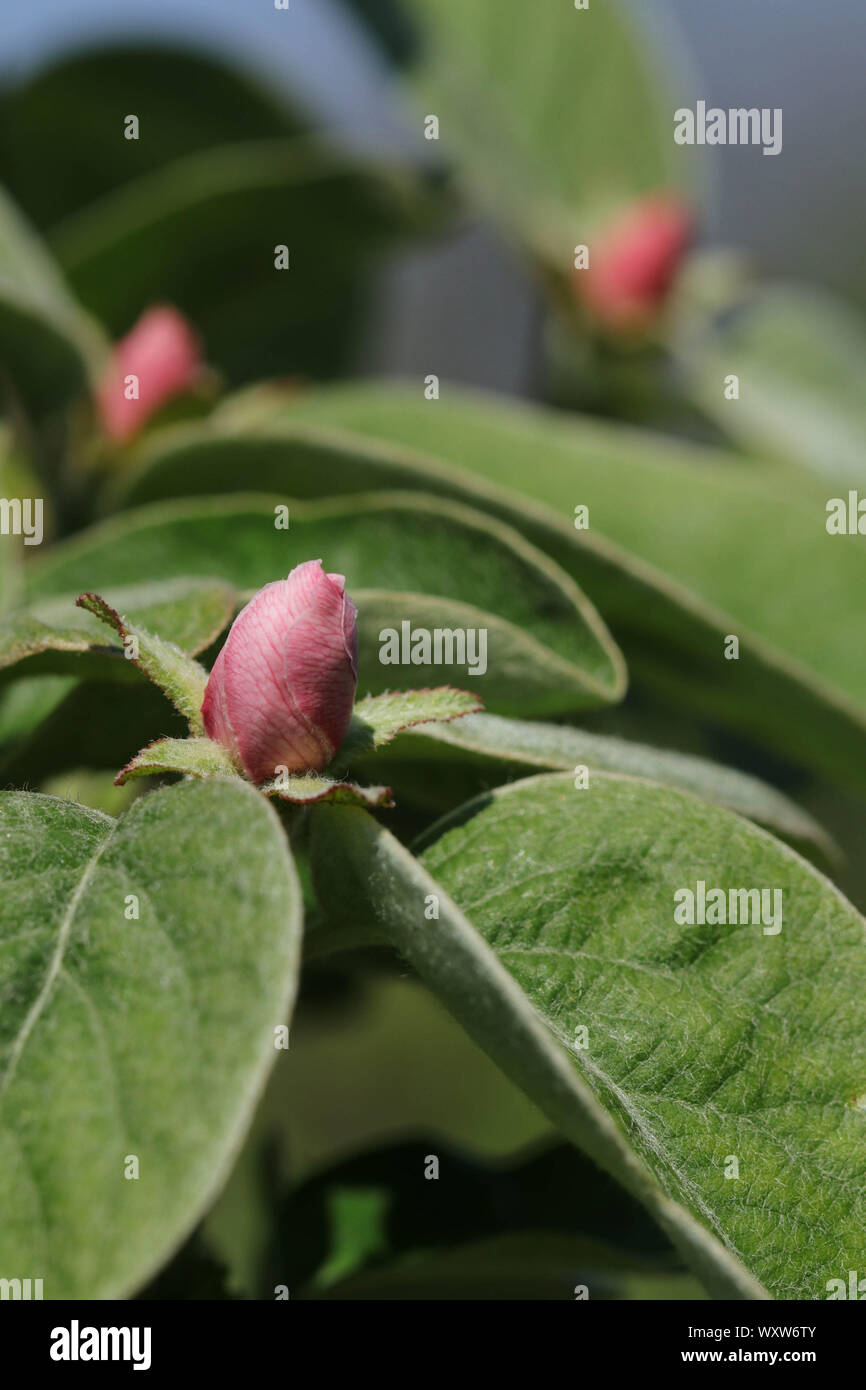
x=438, y=764
x=112, y=720
x=185, y=103
x=61, y=636
x=145, y=240
x=553, y=113
x=305, y=788
x=380, y=718
x=703, y=1043
x=698, y=1088
x=693, y=557
x=216, y=161
x=373, y=1227
x=182, y=680
x=398, y=896
x=145, y=1037
x=801, y=360
x=49, y=350
x=190, y=757
x=411, y=560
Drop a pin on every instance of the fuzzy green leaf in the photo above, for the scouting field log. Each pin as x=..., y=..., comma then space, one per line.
x=383, y=893
x=704, y=1043
x=179, y=678
x=193, y=757
x=124, y=1037
x=59, y=636
x=707, y=1043
x=437, y=765
x=305, y=788
x=378, y=719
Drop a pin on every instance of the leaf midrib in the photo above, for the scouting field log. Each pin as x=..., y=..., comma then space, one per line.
x=54, y=966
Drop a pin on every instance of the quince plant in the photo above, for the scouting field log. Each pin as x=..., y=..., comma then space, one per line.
x=651, y=964
x=278, y=707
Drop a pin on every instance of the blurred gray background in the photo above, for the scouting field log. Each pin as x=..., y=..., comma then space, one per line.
x=802, y=213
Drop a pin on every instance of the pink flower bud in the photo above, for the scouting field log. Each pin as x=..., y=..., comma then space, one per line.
x=633, y=265
x=282, y=689
x=156, y=361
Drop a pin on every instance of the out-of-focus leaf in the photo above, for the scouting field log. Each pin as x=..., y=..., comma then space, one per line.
x=373, y=1058
x=377, y=1218
x=96, y=790
x=11, y=547
x=528, y=1266
x=553, y=112
x=58, y=723
x=801, y=362
x=202, y=232
x=25, y=702
x=55, y=635
x=184, y=102
x=20, y=484
x=49, y=350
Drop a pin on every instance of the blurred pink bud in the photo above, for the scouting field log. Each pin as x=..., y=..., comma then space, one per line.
x=156, y=361
x=282, y=689
x=635, y=262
